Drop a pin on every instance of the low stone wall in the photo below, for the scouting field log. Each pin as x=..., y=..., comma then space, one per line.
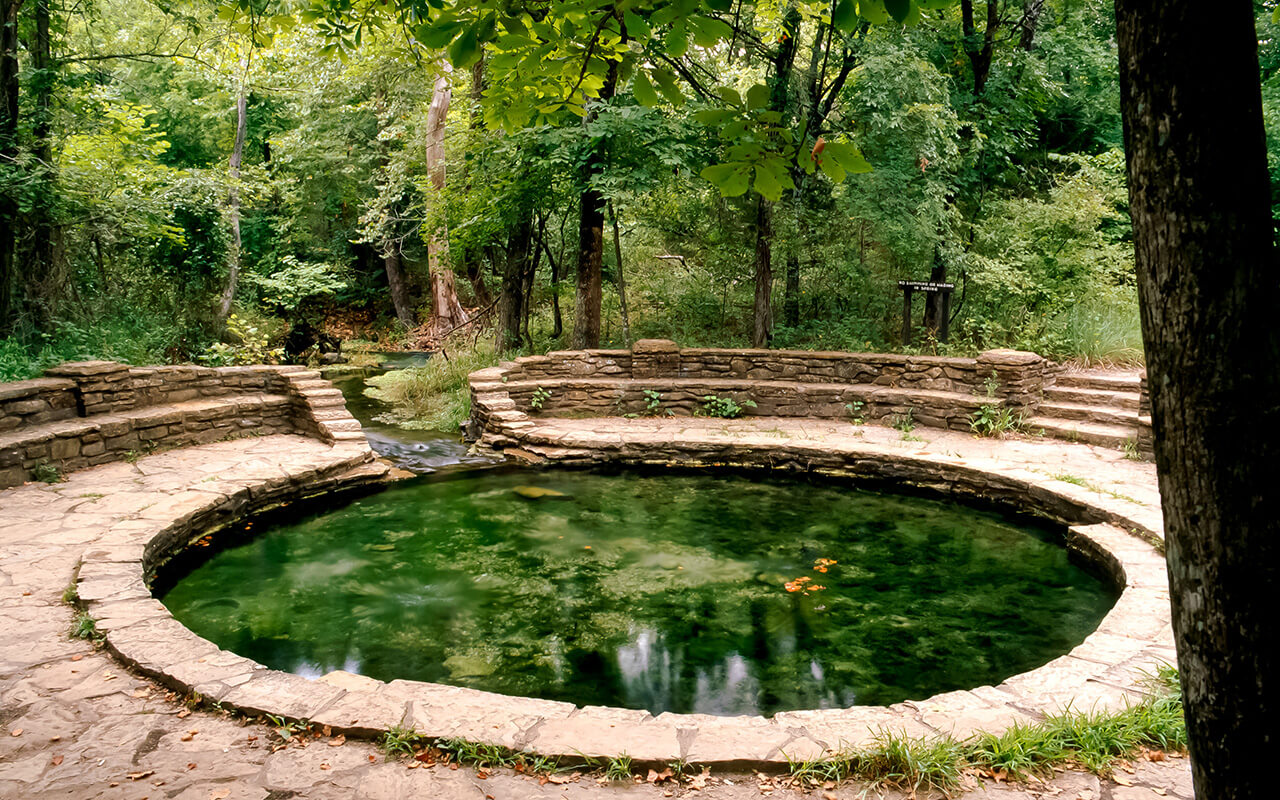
x=935, y=391
x=88, y=413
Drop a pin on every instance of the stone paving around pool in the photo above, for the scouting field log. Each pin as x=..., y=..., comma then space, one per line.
x=79, y=723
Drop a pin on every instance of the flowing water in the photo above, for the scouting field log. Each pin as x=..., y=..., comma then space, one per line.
x=719, y=594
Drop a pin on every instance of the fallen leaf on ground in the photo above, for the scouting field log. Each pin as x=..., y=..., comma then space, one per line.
x=77, y=657
x=184, y=713
x=56, y=760
x=137, y=776
x=219, y=794
x=191, y=765
x=16, y=732
x=1158, y=790
x=1121, y=779
x=324, y=765
x=337, y=741
x=659, y=777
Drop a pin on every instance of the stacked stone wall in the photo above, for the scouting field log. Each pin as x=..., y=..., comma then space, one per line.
x=934, y=391
x=88, y=413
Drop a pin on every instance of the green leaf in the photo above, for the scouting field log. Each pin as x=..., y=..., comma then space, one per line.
x=713, y=116
x=720, y=5
x=831, y=169
x=637, y=26
x=731, y=179
x=644, y=91
x=729, y=95
x=873, y=11
x=465, y=50
x=758, y=96
x=845, y=16
x=677, y=41
x=438, y=36
x=847, y=156
x=708, y=30
x=767, y=183
x=668, y=86
x=898, y=9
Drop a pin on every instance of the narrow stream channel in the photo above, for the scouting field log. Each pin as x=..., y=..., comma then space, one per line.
x=421, y=451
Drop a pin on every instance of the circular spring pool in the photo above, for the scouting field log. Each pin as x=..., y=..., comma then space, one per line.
x=716, y=594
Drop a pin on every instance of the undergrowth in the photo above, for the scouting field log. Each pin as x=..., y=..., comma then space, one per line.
x=434, y=396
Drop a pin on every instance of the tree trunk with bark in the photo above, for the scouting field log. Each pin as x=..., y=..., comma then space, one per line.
x=447, y=312
x=9, y=88
x=791, y=297
x=511, y=300
x=621, y=279
x=393, y=263
x=233, y=198
x=589, y=295
x=979, y=47
x=40, y=257
x=1208, y=285
x=762, y=312
x=762, y=315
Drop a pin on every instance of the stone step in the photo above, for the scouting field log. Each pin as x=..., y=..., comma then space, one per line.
x=1123, y=382
x=1103, y=415
x=1091, y=397
x=1116, y=436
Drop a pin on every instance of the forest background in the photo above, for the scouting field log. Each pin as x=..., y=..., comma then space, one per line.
x=185, y=181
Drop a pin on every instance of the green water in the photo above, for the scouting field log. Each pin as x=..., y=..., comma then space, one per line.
x=662, y=592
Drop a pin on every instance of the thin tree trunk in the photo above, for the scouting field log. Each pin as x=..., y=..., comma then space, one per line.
x=557, y=322
x=1207, y=285
x=233, y=198
x=41, y=254
x=393, y=262
x=791, y=297
x=446, y=310
x=473, y=257
x=622, y=281
x=763, y=311
x=979, y=47
x=1031, y=11
x=9, y=88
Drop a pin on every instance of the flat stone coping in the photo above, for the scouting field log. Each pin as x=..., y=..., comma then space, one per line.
x=1106, y=671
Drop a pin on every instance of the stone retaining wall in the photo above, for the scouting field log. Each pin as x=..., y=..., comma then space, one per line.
x=935, y=391
x=87, y=413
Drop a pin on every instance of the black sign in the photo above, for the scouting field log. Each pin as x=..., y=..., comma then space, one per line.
x=926, y=286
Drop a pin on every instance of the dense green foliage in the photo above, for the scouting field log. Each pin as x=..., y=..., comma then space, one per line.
x=986, y=156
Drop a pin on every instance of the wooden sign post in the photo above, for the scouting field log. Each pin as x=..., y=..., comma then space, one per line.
x=939, y=294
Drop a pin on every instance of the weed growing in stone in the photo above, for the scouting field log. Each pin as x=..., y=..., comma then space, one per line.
x=618, y=768
x=905, y=422
x=855, y=411
x=46, y=472
x=1130, y=448
x=71, y=594
x=724, y=407
x=993, y=421
x=399, y=741
x=539, y=398
x=86, y=628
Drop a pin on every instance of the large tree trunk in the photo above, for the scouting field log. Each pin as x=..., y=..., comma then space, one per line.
x=587, y=301
x=9, y=88
x=233, y=199
x=762, y=312
x=394, y=265
x=447, y=312
x=473, y=257
x=511, y=300
x=1208, y=283
x=762, y=316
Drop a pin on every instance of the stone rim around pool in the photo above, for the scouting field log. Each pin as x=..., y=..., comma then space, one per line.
x=1107, y=670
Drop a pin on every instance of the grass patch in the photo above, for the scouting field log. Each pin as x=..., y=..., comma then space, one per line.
x=435, y=396
x=1093, y=740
